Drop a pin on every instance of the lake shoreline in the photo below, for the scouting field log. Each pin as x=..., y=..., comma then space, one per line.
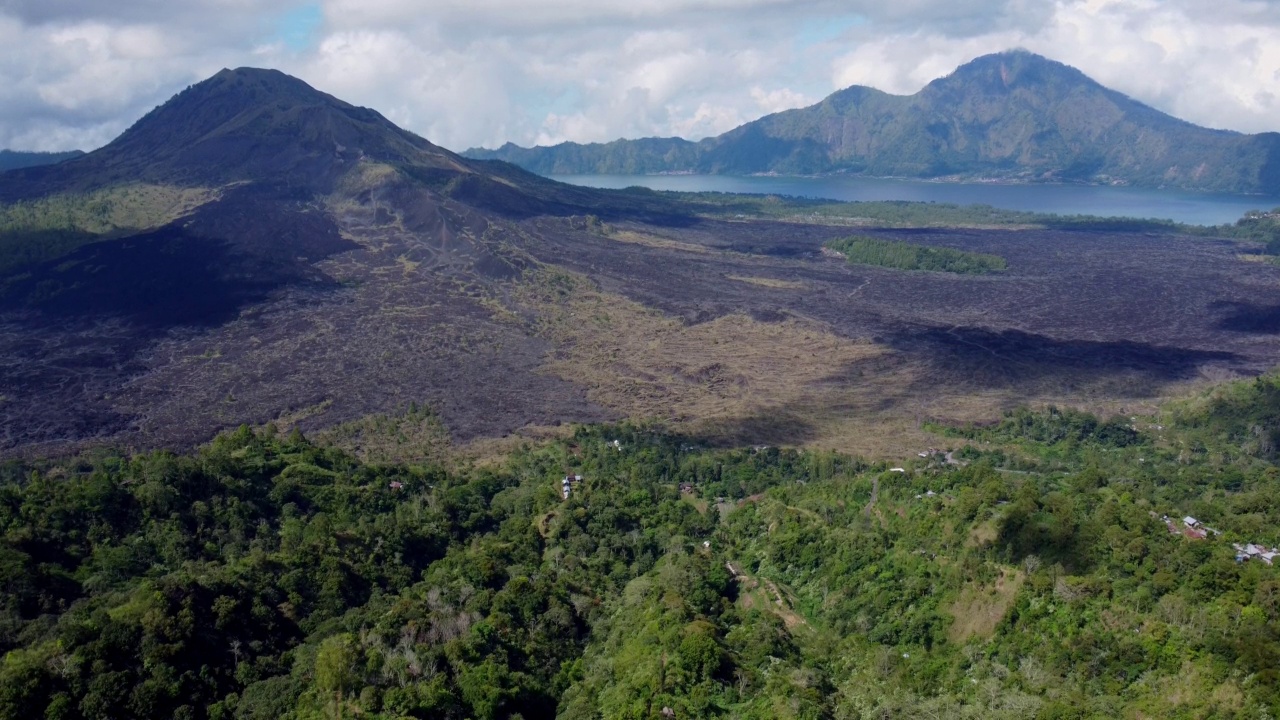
x=1121, y=201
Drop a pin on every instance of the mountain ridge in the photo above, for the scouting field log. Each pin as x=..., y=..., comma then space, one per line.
x=1012, y=116
x=17, y=159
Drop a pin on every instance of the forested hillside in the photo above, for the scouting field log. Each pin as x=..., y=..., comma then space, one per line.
x=1031, y=573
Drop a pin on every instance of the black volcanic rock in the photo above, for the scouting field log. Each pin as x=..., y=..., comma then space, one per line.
x=316, y=253
x=1012, y=115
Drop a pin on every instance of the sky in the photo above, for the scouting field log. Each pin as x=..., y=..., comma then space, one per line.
x=468, y=73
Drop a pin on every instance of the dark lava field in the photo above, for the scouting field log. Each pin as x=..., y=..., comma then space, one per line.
x=1162, y=308
x=377, y=318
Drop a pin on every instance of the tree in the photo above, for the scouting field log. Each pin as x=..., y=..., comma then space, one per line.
x=336, y=667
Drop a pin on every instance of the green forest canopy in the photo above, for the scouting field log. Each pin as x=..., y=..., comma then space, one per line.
x=265, y=576
x=866, y=250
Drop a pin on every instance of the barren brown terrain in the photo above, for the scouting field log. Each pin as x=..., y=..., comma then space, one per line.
x=813, y=350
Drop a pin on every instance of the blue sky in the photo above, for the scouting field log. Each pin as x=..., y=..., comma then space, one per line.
x=469, y=73
x=817, y=30
x=299, y=28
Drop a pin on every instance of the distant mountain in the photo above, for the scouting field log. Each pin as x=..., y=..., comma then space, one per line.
x=1012, y=115
x=646, y=156
x=13, y=159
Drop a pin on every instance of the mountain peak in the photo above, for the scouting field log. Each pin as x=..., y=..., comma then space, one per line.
x=245, y=71
x=233, y=97
x=254, y=83
x=251, y=124
x=1013, y=68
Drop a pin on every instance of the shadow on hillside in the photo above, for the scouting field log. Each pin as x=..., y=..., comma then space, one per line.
x=1110, y=225
x=979, y=358
x=187, y=273
x=777, y=426
x=157, y=280
x=1244, y=317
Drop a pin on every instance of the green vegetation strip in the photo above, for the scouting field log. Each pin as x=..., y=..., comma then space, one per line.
x=864, y=250
x=50, y=227
x=1043, y=570
x=1258, y=225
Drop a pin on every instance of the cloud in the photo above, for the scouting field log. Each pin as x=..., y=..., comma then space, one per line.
x=481, y=72
x=1213, y=67
x=77, y=72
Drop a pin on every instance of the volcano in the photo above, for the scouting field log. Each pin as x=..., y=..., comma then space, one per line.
x=257, y=251
x=234, y=197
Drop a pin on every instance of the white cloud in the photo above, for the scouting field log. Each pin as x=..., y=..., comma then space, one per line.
x=1211, y=68
x=772, y=101
x=480, y=72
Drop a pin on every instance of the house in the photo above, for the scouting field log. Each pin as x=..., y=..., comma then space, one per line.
x=1253, y=551
x=1190, y=521
x=397, y=485
x=686, y=487
x=898, y=470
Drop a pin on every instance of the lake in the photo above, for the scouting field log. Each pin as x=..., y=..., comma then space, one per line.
x=1178, y=205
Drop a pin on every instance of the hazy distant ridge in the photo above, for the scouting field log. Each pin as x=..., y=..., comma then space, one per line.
x=13, y=159
x=1012, y=115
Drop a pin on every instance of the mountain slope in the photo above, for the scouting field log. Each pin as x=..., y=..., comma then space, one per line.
x=1011, y=115
x=248, y=191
